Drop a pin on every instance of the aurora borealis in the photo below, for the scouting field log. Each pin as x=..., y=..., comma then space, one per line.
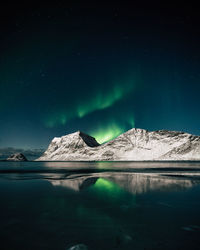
x=98, y=100
x=99, y=68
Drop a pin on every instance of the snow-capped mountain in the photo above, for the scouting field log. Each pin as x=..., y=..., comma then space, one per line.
x=133, y=145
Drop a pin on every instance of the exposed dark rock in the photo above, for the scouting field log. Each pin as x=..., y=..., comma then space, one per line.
x=17, y=157
x=89, y=140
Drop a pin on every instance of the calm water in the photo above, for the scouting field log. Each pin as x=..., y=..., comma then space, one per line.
x=104, y=205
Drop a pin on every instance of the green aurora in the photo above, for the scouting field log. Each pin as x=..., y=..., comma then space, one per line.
x=101, y=69
x=102, y=101
x=106, y=132
x=103, y=130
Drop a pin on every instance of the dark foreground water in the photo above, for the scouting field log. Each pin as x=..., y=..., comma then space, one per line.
x=103, y=205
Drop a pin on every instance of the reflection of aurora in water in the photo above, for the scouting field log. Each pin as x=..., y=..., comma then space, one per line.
x=115, y=184
x=106, y=189
x=84, y=203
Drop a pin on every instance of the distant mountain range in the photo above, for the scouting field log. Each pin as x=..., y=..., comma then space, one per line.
x=31, y=154
x=133, y=145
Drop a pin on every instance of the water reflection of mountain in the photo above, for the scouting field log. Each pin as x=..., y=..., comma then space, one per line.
x=133, y=183
x=76, y=183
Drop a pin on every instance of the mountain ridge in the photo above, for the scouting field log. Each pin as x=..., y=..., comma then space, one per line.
x=135, y=144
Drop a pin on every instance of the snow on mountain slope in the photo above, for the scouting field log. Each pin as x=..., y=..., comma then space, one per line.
x=133, y=145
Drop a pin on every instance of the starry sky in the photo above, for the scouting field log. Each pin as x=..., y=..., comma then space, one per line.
x=101, y=68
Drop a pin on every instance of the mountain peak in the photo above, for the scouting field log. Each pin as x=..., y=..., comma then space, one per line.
x=75, y=137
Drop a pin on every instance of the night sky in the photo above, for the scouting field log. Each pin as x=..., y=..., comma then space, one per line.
x=98, y=68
